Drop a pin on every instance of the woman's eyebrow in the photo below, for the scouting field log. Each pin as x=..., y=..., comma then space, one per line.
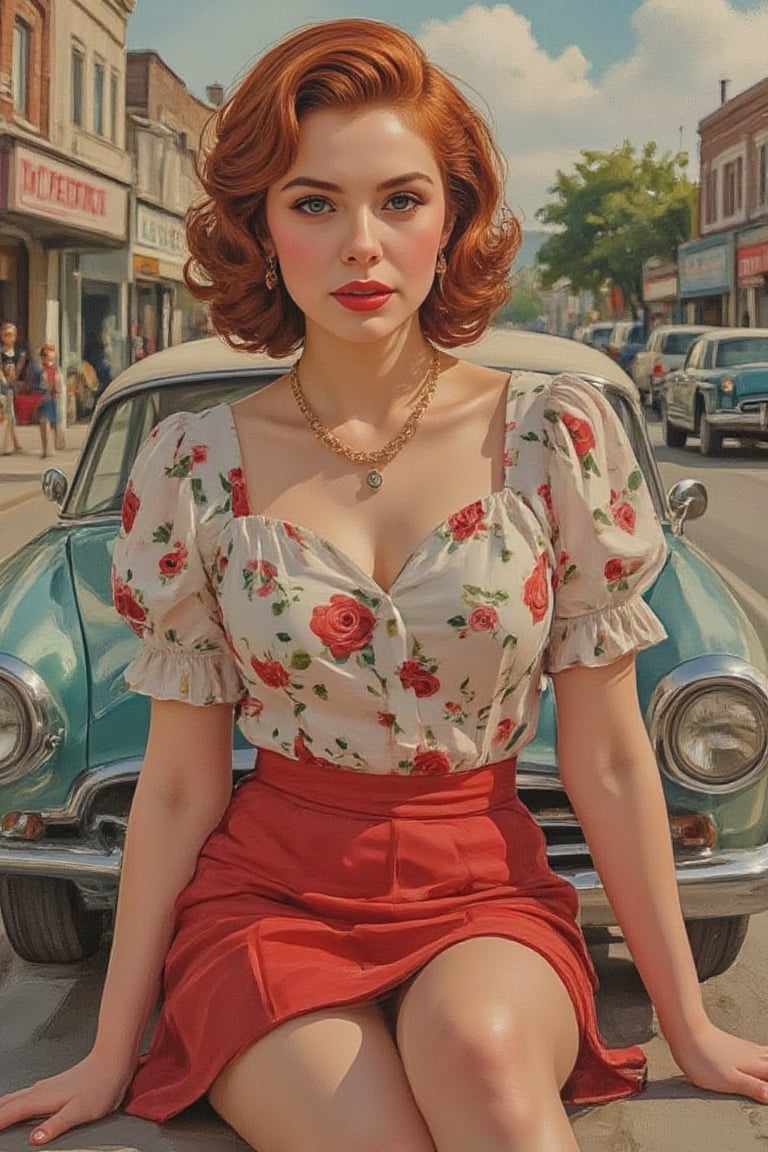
x=328, y=186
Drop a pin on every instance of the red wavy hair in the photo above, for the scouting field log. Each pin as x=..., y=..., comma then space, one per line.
x=344, y=65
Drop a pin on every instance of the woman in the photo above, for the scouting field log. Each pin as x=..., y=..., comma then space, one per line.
x=365, y=947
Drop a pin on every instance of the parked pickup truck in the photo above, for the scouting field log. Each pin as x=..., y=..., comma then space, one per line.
x=665, y=350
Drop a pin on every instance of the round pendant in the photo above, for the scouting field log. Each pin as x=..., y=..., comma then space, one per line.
x=374, y=479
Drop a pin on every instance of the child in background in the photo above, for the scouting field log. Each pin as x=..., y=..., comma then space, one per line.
x=48, y=380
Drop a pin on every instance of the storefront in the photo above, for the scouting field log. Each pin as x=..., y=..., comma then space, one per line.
x=163, y=312
x=56, y=220
x=752, y=277
x=706, y=281
x=660, y=293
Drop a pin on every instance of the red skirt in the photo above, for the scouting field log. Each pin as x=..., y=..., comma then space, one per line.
x=324, y=887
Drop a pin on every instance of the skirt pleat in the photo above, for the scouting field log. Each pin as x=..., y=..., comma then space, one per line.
x=323, y=888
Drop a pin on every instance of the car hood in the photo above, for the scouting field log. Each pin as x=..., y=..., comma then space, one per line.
x=39, y=626
x=750, y=380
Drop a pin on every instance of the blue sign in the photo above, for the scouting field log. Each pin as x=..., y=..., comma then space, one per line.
x=706, y=268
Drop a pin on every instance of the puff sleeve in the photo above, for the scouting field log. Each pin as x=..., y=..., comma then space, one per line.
x=581, y=477
x=159, y=582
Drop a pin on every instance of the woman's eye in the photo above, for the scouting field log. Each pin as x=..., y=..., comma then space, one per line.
x=403, y=201
x=313, y=205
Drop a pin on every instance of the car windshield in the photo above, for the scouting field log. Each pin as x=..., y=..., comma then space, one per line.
x=746, y=350
x=678, y=343
x=103, y=470
x=112, y=445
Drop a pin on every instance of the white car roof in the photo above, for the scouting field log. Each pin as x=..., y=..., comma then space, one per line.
x=500, y=347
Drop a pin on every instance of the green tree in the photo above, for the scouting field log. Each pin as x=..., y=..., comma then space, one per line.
x=524, y=306
x=615, y=210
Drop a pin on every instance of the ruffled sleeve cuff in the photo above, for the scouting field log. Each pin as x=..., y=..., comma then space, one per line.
x=599, y=637
x=191, y=677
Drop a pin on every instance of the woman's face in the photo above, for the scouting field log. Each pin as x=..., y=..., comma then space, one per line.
x=357, y=223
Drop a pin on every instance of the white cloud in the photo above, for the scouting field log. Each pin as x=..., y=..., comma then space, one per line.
x=546, y=109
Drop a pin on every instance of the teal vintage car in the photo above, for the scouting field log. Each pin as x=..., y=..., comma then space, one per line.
x=72, y=735
x=721, y=390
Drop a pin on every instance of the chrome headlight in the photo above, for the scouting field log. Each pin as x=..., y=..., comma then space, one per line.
x=708, y=721
x=29, y=725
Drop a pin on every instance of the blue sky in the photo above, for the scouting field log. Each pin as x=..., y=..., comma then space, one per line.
x=555, y=76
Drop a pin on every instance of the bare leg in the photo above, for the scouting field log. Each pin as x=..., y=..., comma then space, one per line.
x=330, y=1080
x=488, y=1036
x=43, y=422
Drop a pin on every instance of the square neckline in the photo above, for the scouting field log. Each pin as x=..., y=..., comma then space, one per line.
x=340, y=553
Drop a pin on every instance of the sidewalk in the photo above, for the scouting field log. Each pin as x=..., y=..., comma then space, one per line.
x=20, y=474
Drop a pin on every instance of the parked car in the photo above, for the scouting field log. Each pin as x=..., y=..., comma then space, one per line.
x=596, y=335
x=665, y=350
x=721, y=390
x=72, y=735
x=625, y=339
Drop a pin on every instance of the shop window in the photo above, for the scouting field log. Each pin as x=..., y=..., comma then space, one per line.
x=22, y=38
x=98, y=97
x=78, y=84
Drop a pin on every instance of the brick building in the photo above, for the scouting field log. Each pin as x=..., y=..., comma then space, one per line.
x=165, y=123
x=64, y=171
x=724, y=272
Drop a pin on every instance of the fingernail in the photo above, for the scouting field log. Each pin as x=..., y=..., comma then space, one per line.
x=38, y=1136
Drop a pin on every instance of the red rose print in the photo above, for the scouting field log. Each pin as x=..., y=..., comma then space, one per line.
x=536, y=590
x=452, y=707
x=131, y=505
x=581, y=433
x=618, y=569
x=431, y=763
x=293, y=533
x=413, y=676
x=469, y=520
x=386, y=719
x=623, y=517
x=302, y=753
x=127, y=605
x=483, y=619
x=251, y=706
x=266, y=573
x=271, y=672
x=544, y=492
x=563, y=562
x=344, y=625
x=502, y=732
x=199, y=453
x=173, y=562
x=239, y=495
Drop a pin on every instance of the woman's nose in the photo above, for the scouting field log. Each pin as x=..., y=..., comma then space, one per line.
x=362, y=245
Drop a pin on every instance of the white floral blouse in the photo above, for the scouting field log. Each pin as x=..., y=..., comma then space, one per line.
x=442, y=672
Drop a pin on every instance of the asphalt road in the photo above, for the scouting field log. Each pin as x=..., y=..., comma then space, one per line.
x=47, y=1016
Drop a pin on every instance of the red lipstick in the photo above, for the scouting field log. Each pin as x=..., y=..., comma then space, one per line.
x=363, y=295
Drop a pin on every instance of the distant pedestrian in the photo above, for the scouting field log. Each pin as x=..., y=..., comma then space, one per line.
x=13, y=361
x=47, y=380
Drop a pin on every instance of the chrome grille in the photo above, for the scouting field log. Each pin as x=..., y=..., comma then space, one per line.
x=552, y=811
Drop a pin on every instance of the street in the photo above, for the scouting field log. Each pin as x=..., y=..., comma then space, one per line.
x=48, y=1014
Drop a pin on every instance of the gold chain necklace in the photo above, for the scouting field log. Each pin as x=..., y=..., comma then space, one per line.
x=374, y=479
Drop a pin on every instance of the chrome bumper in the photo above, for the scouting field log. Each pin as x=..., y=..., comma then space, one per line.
x=753, y=422
x=730, y=882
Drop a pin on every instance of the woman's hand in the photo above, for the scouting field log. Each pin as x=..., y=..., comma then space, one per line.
x=720, y=1062
x=87, y=1091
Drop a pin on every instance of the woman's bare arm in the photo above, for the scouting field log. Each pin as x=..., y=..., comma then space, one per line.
x=610, y=774
x=183, y=790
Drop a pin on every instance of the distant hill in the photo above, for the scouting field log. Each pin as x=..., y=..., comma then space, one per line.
x=532, y=241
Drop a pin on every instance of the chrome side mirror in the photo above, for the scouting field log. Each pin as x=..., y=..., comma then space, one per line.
x=687, y=500
x=55, y=485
